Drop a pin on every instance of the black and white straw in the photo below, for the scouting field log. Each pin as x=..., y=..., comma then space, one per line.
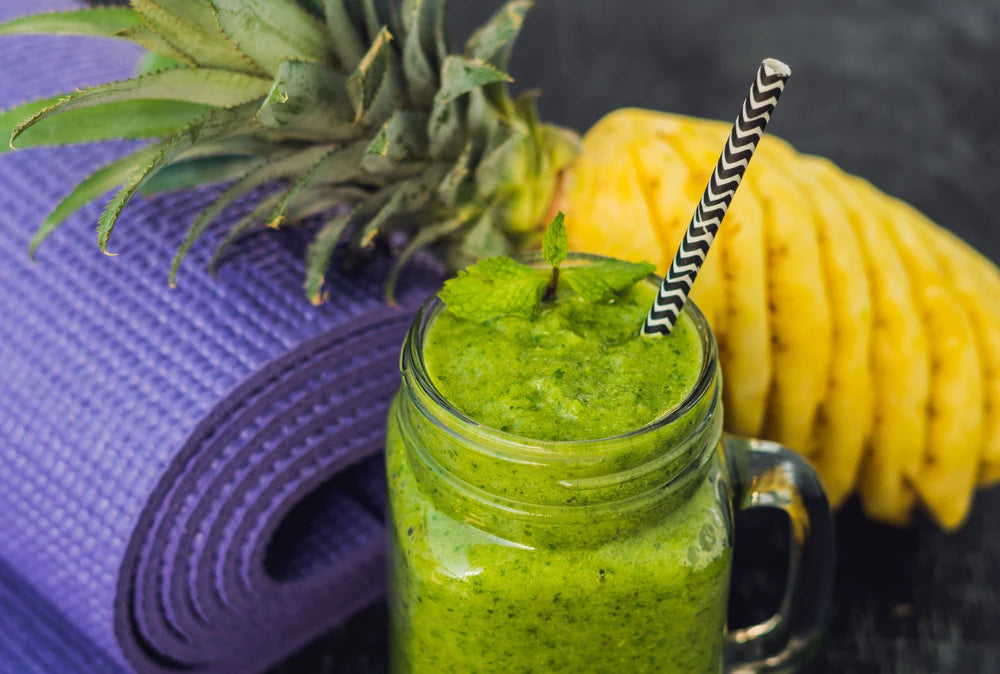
x=733, y=161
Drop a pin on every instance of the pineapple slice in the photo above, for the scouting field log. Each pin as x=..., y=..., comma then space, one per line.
x=947, y=473
x=801, y=324
x=900, y=364
x=977, y=285
x=845, y=416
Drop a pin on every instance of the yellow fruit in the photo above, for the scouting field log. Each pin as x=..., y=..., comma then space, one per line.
x=950, y=460
x=978, y=287
x=845, y=417
x=850, y=327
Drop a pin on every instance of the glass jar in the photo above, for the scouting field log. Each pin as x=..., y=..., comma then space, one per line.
x=508, y=554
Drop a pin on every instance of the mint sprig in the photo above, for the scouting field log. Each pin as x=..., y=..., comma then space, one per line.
x=500, y=286
x=494, y=287
x=600, y=281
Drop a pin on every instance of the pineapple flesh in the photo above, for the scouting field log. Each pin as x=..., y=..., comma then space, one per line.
x=881, y=357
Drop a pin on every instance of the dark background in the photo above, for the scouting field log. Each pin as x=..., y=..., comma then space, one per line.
x=905, y=93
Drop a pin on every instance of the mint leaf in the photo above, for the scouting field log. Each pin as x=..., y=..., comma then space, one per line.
x=602, y=280
x=494, y=287
x=555, y=246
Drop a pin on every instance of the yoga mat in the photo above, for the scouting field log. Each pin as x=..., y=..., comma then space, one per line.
x=190, y=478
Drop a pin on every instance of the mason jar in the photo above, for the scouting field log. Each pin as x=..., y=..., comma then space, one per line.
x=508, y=554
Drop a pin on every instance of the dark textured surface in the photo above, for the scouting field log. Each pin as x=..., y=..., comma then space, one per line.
x=904, y=93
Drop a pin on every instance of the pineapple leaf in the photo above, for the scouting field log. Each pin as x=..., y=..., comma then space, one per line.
x=335, y=166
x=457, y=185
x=207, y=86
x=367, y=79
x=425, y=237
x=212, y=125
x=419, y=57
x=402, y=139
x=493, y=41
x=185, y=174
x=408, y=196
x=241, y=187
x=129, y=120
x=348, y=41
x=154, y=63
x=97, y=183
x=460, y=75
x=262, y=207
x=262, y=171
x=309, y=98
x=483, y=239
x=187, y=27
x=320, y=198
x=98, y=22
x=319, y=253
x=507, y=164
x=270, y=31
x=144, y=36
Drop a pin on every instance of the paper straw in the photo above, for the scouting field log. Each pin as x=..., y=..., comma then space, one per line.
x=743, y=139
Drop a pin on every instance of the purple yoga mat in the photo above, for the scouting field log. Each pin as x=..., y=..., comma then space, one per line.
x=189, y=478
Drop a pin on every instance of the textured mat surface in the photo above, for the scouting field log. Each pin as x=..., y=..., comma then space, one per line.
x=186, y=474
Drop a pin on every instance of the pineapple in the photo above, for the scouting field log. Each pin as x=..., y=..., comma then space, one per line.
x=849, y=326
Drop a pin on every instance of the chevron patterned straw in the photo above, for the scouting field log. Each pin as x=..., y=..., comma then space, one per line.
x=743, y=139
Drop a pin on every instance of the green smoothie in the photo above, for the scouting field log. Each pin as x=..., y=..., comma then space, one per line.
x=469, y=595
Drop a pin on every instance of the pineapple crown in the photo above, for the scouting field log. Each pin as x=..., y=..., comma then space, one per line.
x=355, y=111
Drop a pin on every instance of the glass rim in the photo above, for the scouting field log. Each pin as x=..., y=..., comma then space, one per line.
x=525, y=446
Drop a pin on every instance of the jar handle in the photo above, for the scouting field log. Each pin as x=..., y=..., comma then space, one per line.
x=767, y=475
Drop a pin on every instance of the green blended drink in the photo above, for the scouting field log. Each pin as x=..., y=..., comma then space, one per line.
x=559, y=496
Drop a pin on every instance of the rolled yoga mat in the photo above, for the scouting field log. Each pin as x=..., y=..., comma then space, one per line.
x=189, y=478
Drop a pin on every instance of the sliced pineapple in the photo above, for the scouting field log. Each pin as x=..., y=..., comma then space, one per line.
x=900, y=364
x=977, y=285
x=947, y=473
x=801, y=329
x=844, y=420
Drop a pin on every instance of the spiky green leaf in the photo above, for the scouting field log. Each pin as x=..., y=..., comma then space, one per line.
x=206, y=86
x=419, y=54
x=319, y=253
x=493, y=41
x=458, y=185
x=309, y=98
x=347, y=37
x=129, y=120
x=154, y=63
x=482, y=239
x=401, y=139
x=368, y=78
x=185, y=174
x=271, y=31
x=186, y=26
x=93, y=186
x=336, y=166
x=460, y=75
x=212, y=125
x=406, y=197
x=262, y=172
x=146, y=37
x=242, y=226
x=98, y=21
